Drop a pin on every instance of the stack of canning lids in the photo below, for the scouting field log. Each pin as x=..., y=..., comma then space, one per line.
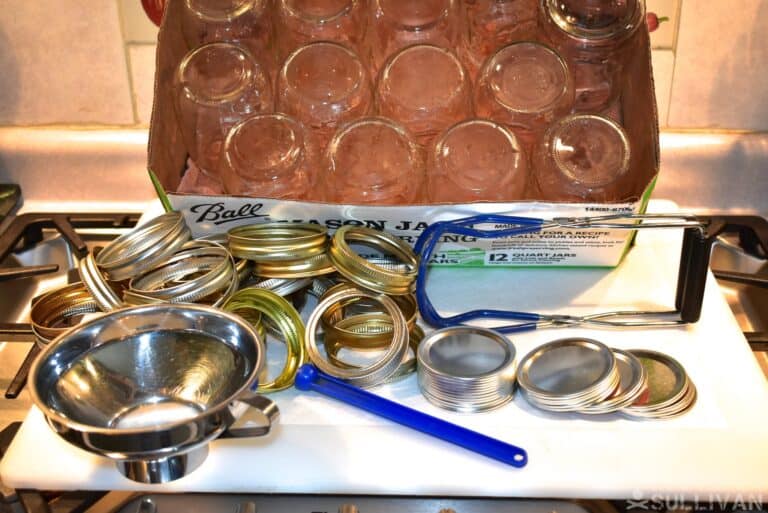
x=586, y=376
x=467, y=369
x=670, y=391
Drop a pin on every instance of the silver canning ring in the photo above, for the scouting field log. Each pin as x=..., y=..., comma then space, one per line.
x=97, y=284
x=283, y=286
x=143, y=247
x=199, y=270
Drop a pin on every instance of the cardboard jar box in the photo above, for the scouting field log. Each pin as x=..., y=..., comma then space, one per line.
x=575, y=247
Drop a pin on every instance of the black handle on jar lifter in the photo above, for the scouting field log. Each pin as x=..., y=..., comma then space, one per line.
x=692, y=276
x=696, y=250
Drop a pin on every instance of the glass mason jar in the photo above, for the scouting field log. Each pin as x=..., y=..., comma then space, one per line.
x=525, y=86
x=582, y=158
x=496, y=23
x=373, y=161
x=593, y=36
x=245, y=22
x=217, y=85
x=476, y=160
x=426, y=89
x=300, y=22
x=401, y=23
x=269, y=156
x=324, y=85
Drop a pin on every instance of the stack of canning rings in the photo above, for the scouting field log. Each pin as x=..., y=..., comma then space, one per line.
x=282, y=250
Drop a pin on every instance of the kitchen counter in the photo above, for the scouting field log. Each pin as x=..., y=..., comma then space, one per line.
x=717, y=449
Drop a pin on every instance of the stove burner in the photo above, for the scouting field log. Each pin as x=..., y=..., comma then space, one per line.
x=25, y=231
x=752, y=240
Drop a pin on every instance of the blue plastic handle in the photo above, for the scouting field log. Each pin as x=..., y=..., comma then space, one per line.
x=310, y=378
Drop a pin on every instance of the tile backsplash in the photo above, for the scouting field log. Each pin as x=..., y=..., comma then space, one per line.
x=93, y=64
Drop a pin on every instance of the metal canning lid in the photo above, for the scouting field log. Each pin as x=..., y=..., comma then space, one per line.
x=143, y=247
x=633, y=382
x=97, y=284
x=467, y=369
x=380, y=370
x=287, y=320
x=369, y=275
x=54, y=312
x=670, y=390
x=304, y=268
x=275, y=242
x=568, y=374
x=598, y=30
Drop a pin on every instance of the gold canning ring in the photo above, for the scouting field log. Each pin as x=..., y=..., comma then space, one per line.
x=366, y=324
x=276, y=242
x=384, y=279
x=380, y=370
x=307, y=268
x=282, y=315
x=56, y=311
x=335, y=331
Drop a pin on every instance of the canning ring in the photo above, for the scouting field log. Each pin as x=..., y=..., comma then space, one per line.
x=287, y=320
x=378, y=371
x=367, y=274
x=275, y=242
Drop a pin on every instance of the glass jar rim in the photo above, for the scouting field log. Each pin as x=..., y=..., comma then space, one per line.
x=444, y=13
x=290, y=157
x=249, y=70
x=405, y=52
x=309, y=18
x=612, y=34
x=562, y=66
x=209, y=14
x=554, y=131
x=361, y=75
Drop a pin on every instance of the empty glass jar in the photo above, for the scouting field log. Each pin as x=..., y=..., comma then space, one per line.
x=373, y=161
x=401, y=23
x=496, y=23
x=593, y=36
x=324, y=85
x=245, y=22
x=582, y=158
x=217, y=85
x=525, y=86
x=426, y=89
x=476, y=160
x=300, y=22
x=269, y=156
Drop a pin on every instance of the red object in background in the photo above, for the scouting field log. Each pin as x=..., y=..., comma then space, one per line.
x=654, y=21
x=154, y=10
